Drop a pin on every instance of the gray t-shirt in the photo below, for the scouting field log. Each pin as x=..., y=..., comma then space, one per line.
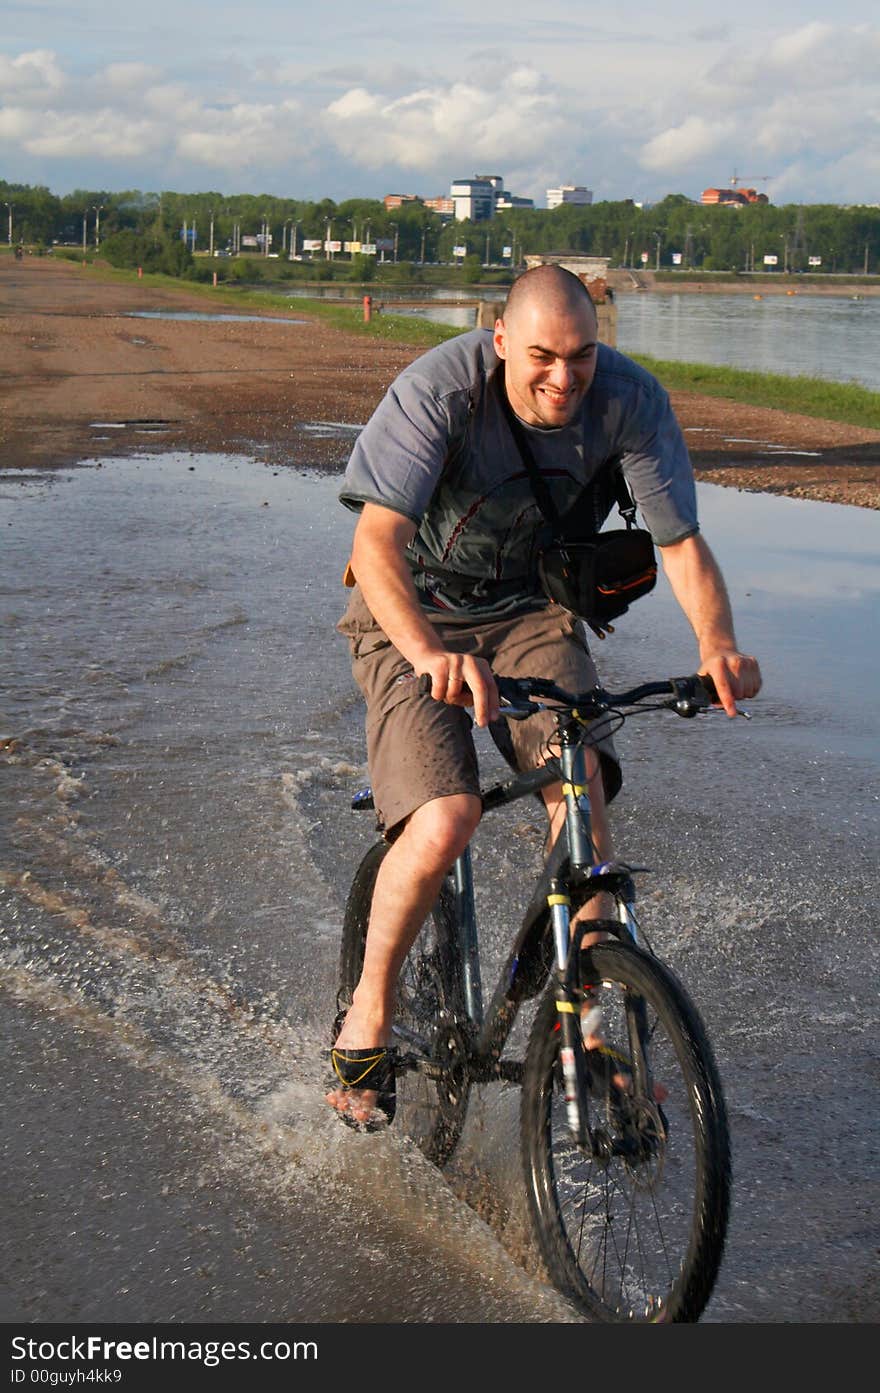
x=439, y=450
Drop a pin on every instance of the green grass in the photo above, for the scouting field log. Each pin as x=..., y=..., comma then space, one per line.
x=810, y=396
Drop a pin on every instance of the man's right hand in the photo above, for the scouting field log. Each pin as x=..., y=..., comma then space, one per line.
x=460, y=680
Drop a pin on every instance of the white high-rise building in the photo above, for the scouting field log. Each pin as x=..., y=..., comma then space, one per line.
x=479, y=198
x=474, y=199
x=569, y=193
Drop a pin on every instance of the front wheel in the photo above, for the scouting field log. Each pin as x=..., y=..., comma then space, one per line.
x=632, y=1227
x=433, y=1084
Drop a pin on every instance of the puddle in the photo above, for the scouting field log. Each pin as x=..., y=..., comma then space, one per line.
x=330, y=430
x=784, y=450
x=198, y=315
x=145, y=427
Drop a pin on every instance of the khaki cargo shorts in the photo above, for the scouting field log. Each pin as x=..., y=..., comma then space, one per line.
x=419, y=749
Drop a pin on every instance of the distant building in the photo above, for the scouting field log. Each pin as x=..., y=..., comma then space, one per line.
x=569, y=193
x=394, y=200
x=473, y=199
x=443, y=205
x=479, y=198
x=734, y=198
x=507, y=200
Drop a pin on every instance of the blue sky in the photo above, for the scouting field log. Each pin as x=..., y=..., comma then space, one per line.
x=364, y=99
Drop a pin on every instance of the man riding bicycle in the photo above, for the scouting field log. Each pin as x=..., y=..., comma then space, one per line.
x=445, y=563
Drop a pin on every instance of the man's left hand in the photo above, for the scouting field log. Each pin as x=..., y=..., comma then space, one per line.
x=736, y=677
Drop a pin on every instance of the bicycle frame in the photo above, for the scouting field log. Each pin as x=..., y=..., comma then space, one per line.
x=569, y=868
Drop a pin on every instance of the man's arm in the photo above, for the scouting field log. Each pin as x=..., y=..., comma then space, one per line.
x=380, y=540
x=698, y=586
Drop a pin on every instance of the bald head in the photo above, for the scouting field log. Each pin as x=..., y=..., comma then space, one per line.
x=552, y=288
x=547, y=339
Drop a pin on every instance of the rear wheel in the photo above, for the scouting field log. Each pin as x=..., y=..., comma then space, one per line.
x=637, y=1232
x=432, y=1083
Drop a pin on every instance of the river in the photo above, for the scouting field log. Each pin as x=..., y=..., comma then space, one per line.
x=180, y=741
x=832, y=337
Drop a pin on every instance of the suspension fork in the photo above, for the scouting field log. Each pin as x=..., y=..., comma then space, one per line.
x=567, y=995
x=466, y=929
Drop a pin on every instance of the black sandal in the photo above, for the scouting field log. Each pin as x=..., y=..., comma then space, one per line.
x=368, y=1069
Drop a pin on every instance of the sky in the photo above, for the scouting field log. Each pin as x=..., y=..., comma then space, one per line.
x=358, y=99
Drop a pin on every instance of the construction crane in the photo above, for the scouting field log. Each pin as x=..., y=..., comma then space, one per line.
x=749, y=179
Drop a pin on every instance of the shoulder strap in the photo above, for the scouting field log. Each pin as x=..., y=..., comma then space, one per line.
x=625, y=503
x=536, y=479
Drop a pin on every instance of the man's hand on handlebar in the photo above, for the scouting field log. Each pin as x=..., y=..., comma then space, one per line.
x=460, y=680
x=736, y=676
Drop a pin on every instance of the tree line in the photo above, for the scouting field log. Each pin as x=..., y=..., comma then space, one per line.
x=161, y=230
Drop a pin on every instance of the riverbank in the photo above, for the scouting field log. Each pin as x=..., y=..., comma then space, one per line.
x=754, y=283
x=83, y=376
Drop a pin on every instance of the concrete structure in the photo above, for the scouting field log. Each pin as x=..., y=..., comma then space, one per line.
x=569, y=193
x=443, y=205
x=394, y=200
x=593, y=271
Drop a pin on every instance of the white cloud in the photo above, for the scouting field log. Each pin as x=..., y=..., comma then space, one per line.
x=125, y=77
x=679, y=146
x=452, y=124
x=237, y=136
x=104, y=134
x=31, y=76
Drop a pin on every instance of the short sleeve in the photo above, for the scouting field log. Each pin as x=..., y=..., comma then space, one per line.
x=658, y=469
x=398, y=458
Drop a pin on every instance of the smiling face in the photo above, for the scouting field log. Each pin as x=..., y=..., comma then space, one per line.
x=548, y=341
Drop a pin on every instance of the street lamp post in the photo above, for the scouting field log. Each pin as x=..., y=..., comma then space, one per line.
x=85, y=226
x=293, y=241
x=10, y=207
x=211, y=233
x=97, y=209
x=658, y=239
x=328, y=238
x=396, y=234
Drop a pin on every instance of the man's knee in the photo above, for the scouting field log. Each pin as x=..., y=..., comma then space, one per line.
x=444, y=826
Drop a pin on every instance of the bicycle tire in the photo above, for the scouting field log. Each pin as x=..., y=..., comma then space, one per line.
x=641, y=1236
x=428, y=1014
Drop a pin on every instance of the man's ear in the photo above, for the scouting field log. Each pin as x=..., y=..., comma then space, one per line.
x=499, y=338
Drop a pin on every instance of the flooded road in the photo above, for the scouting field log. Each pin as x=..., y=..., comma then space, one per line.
x=181, y=738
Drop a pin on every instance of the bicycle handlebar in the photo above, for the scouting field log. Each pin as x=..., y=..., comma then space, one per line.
x=689, y=695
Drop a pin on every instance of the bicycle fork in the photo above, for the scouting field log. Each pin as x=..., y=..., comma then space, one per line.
x=577, y=826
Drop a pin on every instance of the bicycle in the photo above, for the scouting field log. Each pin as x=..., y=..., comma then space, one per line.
x=625, y=1145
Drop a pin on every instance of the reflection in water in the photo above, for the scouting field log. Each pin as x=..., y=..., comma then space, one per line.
x=199, y=316
x=801, y=335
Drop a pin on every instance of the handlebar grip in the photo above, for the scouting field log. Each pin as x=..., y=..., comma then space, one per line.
x=425, y=684
x=709, y=685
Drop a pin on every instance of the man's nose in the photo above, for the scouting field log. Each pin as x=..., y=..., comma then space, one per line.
x=561, y=375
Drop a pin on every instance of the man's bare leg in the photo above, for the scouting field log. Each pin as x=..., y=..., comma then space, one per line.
x=407, y=885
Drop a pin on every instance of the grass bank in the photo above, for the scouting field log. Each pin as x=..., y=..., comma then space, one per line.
x=810, y=396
